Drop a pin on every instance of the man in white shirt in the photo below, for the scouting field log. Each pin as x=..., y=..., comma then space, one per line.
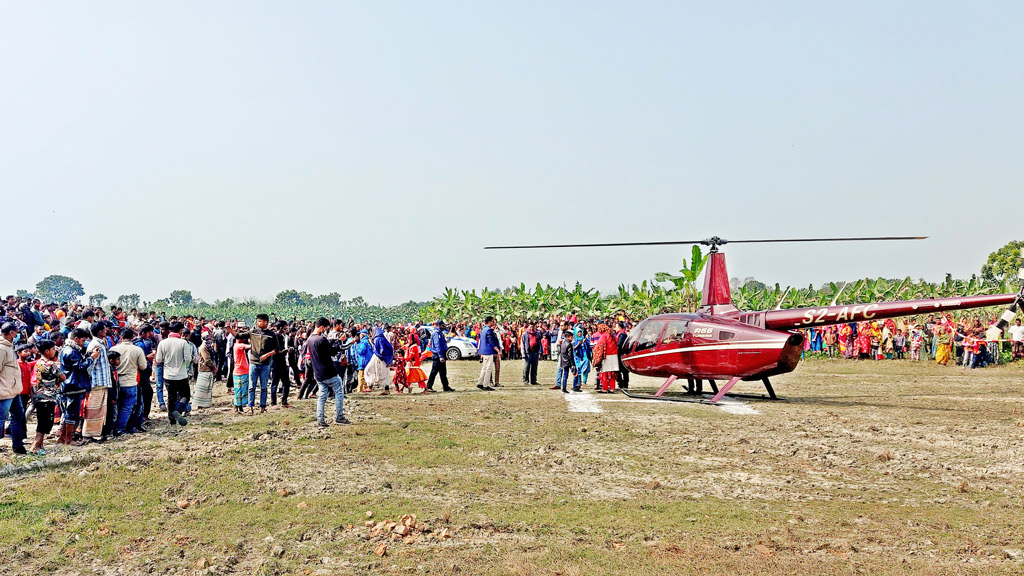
x=86, y=322
x=1017, y=336
x=177, y=356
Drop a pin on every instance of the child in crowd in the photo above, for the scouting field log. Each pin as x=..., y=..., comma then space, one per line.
x=415, y=375
x=26, y=353
x=830, y=338
x=240, y=376
x=400, y=380
x=45, y=388
x=899, y=344
x=916, y=341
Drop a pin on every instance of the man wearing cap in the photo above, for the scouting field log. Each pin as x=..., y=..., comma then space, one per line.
x=438, y=350
x=10, y=387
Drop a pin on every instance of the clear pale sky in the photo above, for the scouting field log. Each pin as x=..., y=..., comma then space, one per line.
x=373, y=148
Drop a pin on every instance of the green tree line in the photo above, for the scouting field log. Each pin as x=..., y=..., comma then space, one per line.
x=666, y=292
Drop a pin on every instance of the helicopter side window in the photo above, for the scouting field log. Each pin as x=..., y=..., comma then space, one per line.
x=649, y=335
x=724, y=335
x=675, y=332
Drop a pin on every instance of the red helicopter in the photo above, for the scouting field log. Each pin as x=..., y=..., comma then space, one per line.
x=720, y=342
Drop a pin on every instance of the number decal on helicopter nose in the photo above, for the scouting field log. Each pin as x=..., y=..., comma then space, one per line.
x=845, y=314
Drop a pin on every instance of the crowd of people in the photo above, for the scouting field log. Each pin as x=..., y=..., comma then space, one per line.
x=96, y=373
x=579, y=348
x=93, y=373
x=938, y=338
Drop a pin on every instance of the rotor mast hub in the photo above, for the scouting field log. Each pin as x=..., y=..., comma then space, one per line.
x=714, y=242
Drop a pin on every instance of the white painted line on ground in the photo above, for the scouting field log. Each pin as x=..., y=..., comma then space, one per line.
x=590, y=402
x=628, y=400
x=582, y=402
x=734, y=406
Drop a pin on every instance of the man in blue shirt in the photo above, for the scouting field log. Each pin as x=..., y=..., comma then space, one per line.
x=438, y=350
x=488, y=348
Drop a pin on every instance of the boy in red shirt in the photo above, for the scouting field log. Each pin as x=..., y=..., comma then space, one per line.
x=240, y=377
x=26, y=353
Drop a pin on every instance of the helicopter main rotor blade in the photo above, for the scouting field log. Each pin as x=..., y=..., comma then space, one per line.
x=715, y=241
x=865, y=239
x=669, y=243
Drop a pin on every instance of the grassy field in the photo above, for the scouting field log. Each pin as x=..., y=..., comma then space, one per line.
x=873, y=468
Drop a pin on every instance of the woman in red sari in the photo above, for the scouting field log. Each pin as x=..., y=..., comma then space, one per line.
x=609, y=364
x=864, y=340
x=845, y=332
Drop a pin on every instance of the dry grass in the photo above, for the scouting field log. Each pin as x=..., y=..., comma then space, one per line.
x=882, y=468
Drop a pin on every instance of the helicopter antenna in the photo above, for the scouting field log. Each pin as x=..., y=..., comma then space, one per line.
x=783, y=299
x=714, y=242
x=838, y=294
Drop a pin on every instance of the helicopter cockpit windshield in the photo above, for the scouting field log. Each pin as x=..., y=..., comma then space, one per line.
x=649, y=336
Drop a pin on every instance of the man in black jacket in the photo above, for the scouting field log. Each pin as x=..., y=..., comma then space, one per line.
x=279, y=370
x=321, y=356
x=263, y=348
x=220, y=342
x=620, y=342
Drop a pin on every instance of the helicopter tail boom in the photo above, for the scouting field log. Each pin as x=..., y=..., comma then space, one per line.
x=795, y=318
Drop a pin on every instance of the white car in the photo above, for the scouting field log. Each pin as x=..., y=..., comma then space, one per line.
x=458, y=347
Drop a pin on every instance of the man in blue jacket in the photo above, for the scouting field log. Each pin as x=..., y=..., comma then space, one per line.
x=438, y=350
x=75, y=365
x=489, y=346
x=364, y=353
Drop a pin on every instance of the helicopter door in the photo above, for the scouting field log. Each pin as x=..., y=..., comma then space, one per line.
x=717, y=357
x=675, y=338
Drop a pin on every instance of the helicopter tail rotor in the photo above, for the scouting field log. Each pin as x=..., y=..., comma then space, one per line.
x=995, y=332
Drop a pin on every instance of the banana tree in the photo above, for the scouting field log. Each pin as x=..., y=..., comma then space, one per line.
x=686, y=281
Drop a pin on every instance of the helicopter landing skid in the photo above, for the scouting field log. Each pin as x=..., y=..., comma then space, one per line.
x=662, y=398
x=695, y=389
